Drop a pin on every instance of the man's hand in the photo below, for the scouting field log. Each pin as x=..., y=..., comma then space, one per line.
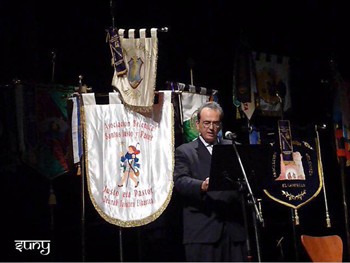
x=205, y=185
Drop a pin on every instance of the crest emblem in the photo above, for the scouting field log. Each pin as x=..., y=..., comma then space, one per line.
x=134, y=73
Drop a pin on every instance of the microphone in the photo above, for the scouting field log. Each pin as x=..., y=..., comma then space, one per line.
x=230, y=135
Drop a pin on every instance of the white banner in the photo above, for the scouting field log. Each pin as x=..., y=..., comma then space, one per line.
x=130, y=161
x=140, y=57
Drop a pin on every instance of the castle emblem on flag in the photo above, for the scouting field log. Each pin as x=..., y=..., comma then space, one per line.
x=295, y=178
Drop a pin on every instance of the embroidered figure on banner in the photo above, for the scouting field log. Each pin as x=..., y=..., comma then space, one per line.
x=130, y=166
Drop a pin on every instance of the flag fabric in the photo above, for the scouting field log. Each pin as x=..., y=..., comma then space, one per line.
x=243, y=75
x=244, y=83
x=295, y=178
x=248, y=108
x=272, y=81
x=248, y=105
x=77, y=143
x=254, y=136
x=341, y=118
x=178, y=127
x=190, y=103
x=140, y=56
x=215, y=97
x=44, y=134
x=191, y=98
x=117, y=52
x=129, y=160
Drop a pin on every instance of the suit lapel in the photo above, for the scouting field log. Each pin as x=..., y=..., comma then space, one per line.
x=205, y=160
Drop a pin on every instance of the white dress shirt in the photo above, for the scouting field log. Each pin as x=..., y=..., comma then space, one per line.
x=208, y=145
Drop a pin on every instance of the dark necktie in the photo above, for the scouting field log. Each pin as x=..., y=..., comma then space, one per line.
x=210, y=148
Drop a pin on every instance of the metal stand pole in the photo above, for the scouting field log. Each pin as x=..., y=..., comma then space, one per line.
x=250, y=192
x=190, y=63
x=256, y=212
x=257, y=236
x=121, y=256
x=294, y=223
x=53, y=53
x=52, y=203
x=244, y=212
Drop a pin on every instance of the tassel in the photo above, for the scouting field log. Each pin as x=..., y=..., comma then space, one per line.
x=52, y=198
x=328, y=220
x=78, y=170
x=238, y=115
x=296, y=217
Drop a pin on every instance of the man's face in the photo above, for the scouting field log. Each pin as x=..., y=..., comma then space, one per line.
x=209, y=124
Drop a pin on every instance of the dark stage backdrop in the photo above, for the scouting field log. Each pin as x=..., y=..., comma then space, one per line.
x=202, y=34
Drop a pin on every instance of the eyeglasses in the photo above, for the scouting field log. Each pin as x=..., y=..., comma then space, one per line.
x=207, y=124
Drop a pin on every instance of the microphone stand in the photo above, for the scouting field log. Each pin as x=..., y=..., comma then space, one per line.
x=256, y=212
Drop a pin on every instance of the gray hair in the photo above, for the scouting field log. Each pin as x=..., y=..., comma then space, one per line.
x=211, y=105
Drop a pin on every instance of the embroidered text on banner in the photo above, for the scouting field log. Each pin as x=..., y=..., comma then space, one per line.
x=130, y=159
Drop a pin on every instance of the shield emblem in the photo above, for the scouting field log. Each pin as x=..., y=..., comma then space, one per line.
x=294, y=182
x=134, y=73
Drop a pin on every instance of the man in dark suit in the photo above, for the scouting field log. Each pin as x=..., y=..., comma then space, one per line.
x=213, y=228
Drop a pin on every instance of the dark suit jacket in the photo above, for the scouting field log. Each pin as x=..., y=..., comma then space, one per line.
x=204, y=214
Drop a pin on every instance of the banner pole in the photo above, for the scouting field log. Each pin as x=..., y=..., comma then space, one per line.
x=53, y=60
x=82, y=208
x=111, y=5
x=52, y=202
x=294, y=223
x=82, y=165
x=320, y=167
x=121, y=256
x=190, y=63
